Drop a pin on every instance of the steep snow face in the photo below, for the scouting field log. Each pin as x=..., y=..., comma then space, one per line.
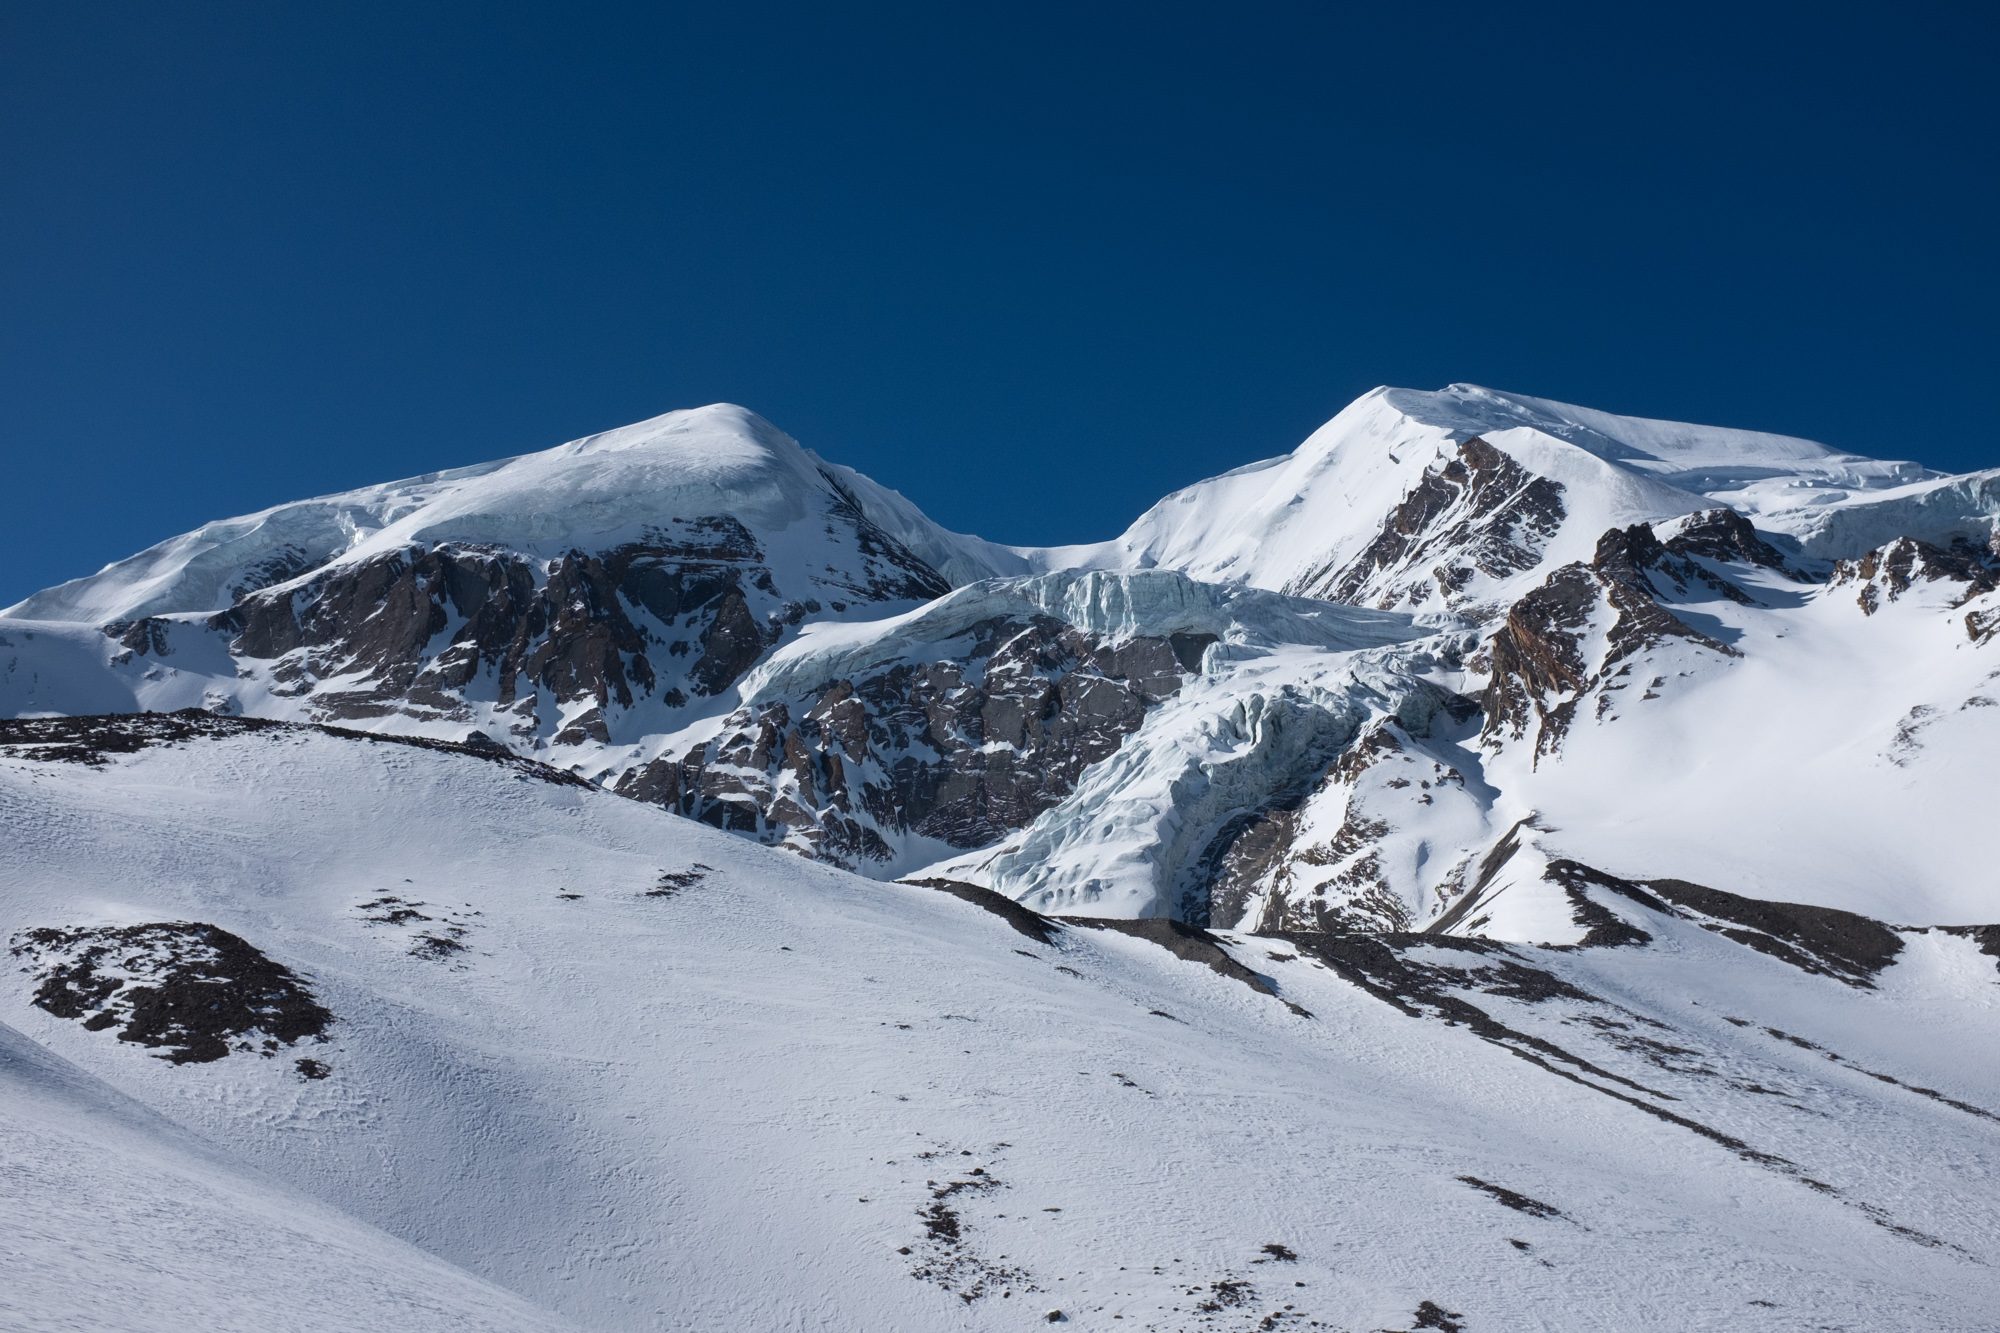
x=1713, y=461
x=596, y=493
x=1452, y=503
x=1826, y=743
x=642, y=1074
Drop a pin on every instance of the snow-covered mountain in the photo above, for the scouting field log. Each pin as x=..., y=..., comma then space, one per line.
x=1489, y=801
x=1199, y=719
x=1454, y=503
x=570, y=596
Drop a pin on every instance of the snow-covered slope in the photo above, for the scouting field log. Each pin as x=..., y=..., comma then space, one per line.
x=117, y=1218
x=643, y=1074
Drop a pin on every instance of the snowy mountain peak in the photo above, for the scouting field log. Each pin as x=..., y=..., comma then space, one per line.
x=675, y=429
x=1499, y=487
x=595, y=493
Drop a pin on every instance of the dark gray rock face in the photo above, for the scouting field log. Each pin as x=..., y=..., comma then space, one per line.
x=1478, y=513
x=1355, y=894
x=1725, y=536
x=1884, y=575
x=959, y=751
x=1541, y=668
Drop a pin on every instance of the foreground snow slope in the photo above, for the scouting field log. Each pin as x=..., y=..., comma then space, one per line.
x=644, y=1074
x=117, y=1218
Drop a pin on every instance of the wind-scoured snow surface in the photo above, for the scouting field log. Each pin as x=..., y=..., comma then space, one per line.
x=116, y=1217
x=664, y=1078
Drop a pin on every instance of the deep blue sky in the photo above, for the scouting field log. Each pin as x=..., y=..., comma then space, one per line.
x=1032, y=266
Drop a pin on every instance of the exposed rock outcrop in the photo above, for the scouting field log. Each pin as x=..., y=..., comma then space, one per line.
x=1478, y=513
x=1573, y=636
x=1884, y=575
x=193, y=991
x=956, y=751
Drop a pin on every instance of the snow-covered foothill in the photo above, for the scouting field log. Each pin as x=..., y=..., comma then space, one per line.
x=662, y=1077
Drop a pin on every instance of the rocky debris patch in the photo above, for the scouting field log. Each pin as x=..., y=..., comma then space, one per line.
x=1039, y=928
x=478, y=745
x=946, y=1252
x=1603, y=928
x=1227, y=1294
x=192, y=991
x=437, y=935
x=673, y=883
x=1822, y=940
x=1126, y=1081
x=1187, y=943
x=1434, y=1316
x=1232, y=1301
x=1514, y=1199
x=95, y=740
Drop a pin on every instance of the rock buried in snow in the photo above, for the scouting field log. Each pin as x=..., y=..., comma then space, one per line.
x=192, y=990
